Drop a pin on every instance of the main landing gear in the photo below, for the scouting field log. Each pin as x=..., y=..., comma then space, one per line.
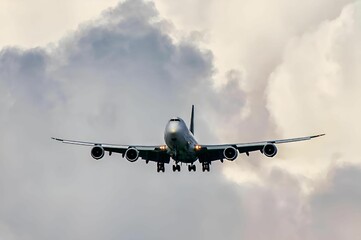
x=192, y=168
x=205, y=166
x=176, y=167
x=160, y=167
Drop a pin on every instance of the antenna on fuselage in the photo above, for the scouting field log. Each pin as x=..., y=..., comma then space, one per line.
x=191, y=128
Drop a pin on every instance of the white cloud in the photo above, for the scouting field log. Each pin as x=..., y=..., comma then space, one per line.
x=315, y=89
x=39, y=22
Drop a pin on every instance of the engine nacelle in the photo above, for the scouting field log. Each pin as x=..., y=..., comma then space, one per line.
x=97, y=152
x=230, y=153
x=132, y=154
x=270, y=150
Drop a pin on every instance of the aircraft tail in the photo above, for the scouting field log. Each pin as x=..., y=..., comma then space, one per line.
x=192, y=121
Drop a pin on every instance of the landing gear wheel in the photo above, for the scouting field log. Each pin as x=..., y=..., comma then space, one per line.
x=192, y=168
x=176, y=167
x=160, y=167
x=205, y=167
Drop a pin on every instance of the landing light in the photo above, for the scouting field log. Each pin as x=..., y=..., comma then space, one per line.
x=197, y=147
x=164, y=147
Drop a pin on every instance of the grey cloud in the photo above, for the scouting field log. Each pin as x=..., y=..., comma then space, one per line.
x=279, y=208
x=336, y=208
x=24, y=73
x=116, y=79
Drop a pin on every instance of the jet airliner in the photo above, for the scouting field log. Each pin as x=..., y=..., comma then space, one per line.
x=181, y=146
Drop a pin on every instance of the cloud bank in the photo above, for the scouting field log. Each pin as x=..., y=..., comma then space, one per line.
x=118, y=78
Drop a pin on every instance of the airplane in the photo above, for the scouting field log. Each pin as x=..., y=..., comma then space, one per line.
x=181, y=146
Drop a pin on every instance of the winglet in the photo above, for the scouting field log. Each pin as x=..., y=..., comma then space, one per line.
x=57, y=139
x=192, y=121
x=319, y=135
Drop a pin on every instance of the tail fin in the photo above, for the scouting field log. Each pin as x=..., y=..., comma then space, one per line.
x=192, y=121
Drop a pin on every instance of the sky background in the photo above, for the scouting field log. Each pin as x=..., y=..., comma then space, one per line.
x=115, y=72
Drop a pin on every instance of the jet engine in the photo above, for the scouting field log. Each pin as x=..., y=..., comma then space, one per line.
x=230, y=153
x=270, y=150
x=97, y=152
x=132, y=154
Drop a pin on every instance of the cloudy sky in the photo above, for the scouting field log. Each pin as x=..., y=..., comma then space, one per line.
x=111, y=71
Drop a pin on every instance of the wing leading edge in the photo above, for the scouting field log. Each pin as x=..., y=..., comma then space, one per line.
x=155, y=153
x=209, y=153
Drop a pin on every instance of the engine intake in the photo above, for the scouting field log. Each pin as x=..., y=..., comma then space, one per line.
x=97, y=152
x=132, y=154
x=270, y=150
x=230, y=153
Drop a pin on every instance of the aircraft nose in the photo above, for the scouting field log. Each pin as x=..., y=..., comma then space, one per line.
x=173, y=129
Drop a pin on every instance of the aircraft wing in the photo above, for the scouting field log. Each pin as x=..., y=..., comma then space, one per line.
x=156, y=153
x=208, y=153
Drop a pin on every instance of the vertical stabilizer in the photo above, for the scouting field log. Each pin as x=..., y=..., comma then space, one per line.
x=192, y=121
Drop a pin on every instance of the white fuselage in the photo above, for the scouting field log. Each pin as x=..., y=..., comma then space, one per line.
x=180, y=141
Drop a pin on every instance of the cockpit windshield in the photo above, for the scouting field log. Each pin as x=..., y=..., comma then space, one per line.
x=175, y=120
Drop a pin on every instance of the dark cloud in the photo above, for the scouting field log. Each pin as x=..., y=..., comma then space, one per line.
x=117, y=79
x=336, y=208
